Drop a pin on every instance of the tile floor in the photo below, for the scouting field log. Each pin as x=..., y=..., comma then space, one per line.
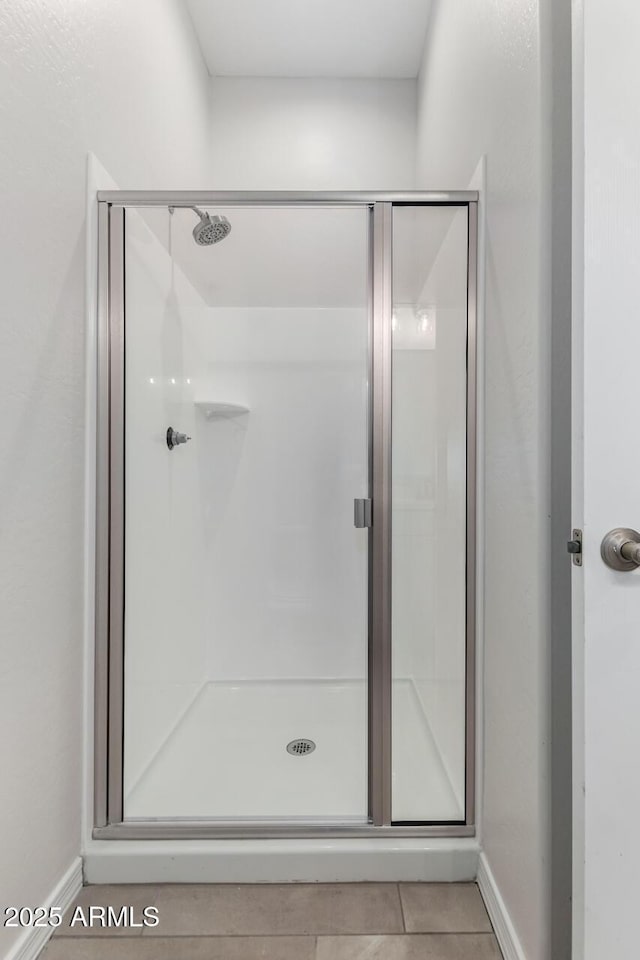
x=301, y=921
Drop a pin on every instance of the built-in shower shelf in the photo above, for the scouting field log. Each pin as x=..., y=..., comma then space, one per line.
x=216, y=409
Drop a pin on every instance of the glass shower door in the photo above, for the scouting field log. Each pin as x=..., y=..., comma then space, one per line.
x=245, y=579
x=432, y=523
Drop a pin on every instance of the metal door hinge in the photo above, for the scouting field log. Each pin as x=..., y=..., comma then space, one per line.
x=362, y=513
x=574, y=547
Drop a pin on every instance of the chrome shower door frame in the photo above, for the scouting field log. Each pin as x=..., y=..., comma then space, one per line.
x=108, y=812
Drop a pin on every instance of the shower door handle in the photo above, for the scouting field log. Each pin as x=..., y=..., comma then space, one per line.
x=362, y=513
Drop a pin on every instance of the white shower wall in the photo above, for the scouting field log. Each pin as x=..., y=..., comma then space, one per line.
x=285, y=569
x=165, y=650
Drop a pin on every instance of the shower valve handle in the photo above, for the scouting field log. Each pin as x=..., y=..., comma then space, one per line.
x=174, y=438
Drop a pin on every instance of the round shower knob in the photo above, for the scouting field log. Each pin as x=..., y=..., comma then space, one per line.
x=620, y=549
x=174, y=438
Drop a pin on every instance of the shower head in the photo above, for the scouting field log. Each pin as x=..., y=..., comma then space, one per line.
x=210, y=229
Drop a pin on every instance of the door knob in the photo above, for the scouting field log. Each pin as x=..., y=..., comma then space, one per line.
x=620, y=549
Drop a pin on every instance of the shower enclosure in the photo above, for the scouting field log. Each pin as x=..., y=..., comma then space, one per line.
x=285, y=541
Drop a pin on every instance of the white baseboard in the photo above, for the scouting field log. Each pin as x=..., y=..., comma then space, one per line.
x=33, y=939
x=497, y=910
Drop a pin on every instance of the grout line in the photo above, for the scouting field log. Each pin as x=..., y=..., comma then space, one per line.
x=272, y=936
x=404, y=922
x=411, y=936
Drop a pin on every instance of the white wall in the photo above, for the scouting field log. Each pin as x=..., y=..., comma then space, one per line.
x=284, y=134
x=481, y=92
x=124, y=80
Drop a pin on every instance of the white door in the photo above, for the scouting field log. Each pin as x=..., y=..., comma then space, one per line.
x=606, y=478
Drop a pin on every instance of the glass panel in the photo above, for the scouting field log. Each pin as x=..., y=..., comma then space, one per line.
x=429, y=512
x=245, y=578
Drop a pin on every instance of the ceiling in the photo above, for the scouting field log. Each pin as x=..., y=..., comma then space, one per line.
x=311, y=38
